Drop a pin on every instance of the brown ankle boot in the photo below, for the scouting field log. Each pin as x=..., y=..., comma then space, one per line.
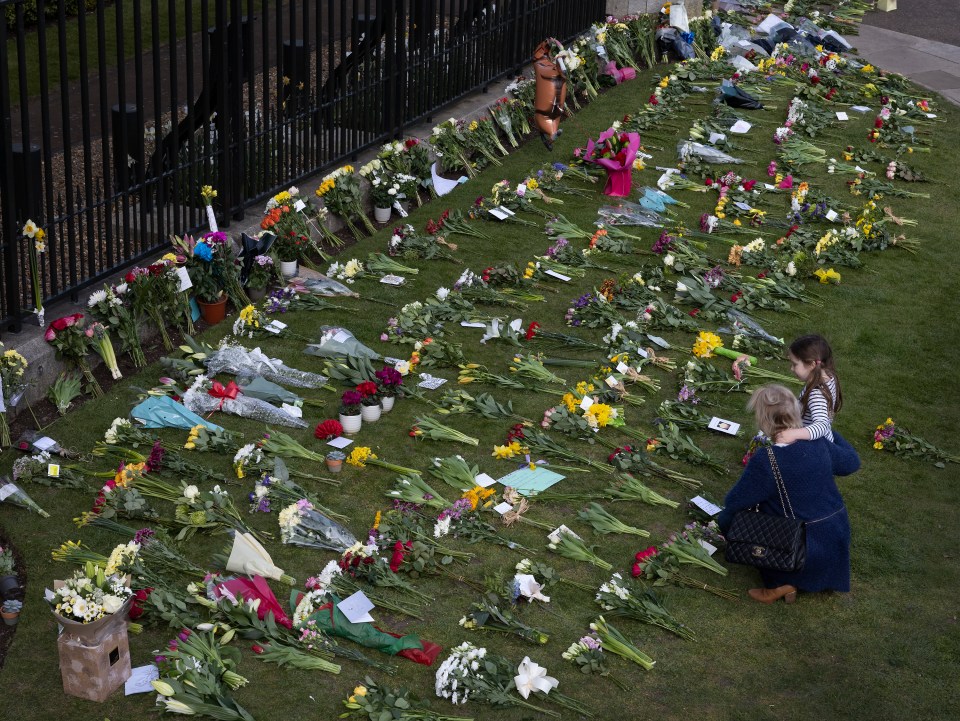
x=769, y=595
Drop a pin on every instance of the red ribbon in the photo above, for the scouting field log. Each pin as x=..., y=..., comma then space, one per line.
x=224, y=393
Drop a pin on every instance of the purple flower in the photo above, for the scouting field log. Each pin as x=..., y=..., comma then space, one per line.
x=143, y=536
x=663, y=244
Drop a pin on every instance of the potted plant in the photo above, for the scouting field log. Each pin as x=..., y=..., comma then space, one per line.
x=335, y=460
x=207, y=286
x=370, y=405
x=350, y=417
x=260, y=273
x=384, y=189
x=11, y=611
x=389, y=383
x=8, y=573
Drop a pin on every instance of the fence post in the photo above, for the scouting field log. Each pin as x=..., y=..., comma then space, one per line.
x=9, y=233
x=296, y=76
x=127, y=124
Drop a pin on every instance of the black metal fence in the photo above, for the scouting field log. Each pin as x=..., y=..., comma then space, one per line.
x=112, y=120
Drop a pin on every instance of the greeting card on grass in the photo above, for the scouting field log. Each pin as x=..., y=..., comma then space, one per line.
x=530, y=482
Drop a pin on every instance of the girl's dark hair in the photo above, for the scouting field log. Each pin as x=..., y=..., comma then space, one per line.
x=814, y=349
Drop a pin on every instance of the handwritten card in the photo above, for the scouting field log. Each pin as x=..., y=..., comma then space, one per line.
x=711, y=509
x=340, y=442
x=357, y=608
x=502, y=508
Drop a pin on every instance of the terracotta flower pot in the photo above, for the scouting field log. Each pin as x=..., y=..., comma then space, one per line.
x=213, y=313
x=334, y=465
x=10, y=618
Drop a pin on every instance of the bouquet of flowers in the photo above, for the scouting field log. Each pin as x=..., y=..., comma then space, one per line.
x=89, y=595
x=624, y=597
x=12, y=493
x=587, y=654
x=615, y=152
x=108, y=307
x=206, y=396
x=72, y=343
x=12, y=368
x=491, y=612
x=384, y=186
x=237, y=360
x=376, y=701
x=661, y=569
x=303, y=525
x=569, y=545
x=155, y=291
x=452, y=147
x=898, y=440
x=36, y=246
x=42, y=470
x=340, y=191
x=472, y=673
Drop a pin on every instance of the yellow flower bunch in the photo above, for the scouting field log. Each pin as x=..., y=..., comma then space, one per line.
x=583, y=388
x=705, y=344
x=601, y=413
x=207, y=193
x=511, y=450
x=358, y=691
x=129, y=473
x=12, y=358
x=570, y=401
x=326, y=186
x=360, y=455
x=192, y=437
x=376, y=521
x=530, y=269
x=718, y=53
x=827, y=276
x=867, y=69
x=532, y=184
x=250, y=316
x=735, y=255
x=825, y=242
x=282, y=197
x=477, y=494
x=665, y=82
x=473, y=126
x=721, y=204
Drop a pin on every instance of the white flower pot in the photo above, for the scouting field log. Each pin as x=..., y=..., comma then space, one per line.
x=387, y=403
x=288, y=268
x=381, y=215
x=371, y=414
x=351, y=424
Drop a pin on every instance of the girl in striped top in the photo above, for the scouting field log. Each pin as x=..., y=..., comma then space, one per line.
x=811, y=360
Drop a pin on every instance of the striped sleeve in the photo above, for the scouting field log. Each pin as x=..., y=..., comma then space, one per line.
x=818, y=414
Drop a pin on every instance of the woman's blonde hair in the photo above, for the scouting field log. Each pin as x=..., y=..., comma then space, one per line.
x=776, y=408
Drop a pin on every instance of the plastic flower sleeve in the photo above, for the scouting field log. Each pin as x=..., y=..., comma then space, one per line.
x=199, y=400
x=627, y=213
x=337, y=342
x=686, y=148
x=237, y=360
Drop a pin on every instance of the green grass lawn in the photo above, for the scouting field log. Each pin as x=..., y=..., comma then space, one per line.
x=888, y=649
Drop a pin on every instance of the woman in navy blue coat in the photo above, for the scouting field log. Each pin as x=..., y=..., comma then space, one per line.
x=808, y=469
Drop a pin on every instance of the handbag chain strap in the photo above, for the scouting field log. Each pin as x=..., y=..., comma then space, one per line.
x=781, y=486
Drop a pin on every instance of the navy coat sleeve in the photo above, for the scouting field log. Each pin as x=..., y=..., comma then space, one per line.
x=756, y=485
x=844, y=457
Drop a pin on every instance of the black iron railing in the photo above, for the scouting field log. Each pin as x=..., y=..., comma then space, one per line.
x=110, y=121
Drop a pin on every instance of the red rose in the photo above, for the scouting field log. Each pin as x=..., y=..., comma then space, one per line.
x=748, y=185
x=878, y=122
x=736, y=296
x=60, y=324
x=815, y=80
x=130, y=277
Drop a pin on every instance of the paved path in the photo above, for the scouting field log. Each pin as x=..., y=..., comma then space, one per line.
x=911, y=49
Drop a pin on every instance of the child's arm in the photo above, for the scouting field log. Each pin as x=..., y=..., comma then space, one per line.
x=794, y=434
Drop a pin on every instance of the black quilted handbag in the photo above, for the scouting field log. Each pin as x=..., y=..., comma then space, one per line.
x=776, y=543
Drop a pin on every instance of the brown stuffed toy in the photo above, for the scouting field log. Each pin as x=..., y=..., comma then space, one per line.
x=551, y=94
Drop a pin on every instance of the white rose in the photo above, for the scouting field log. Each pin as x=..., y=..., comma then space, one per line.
x=191, y=492
x=112, y=604
x=669, y=260
x=442, y=293
x=402, y=367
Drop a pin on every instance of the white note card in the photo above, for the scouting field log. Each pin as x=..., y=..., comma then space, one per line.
x=586, y=403
x=394, y=280
x=340, y=442
x=357, y=608
x=44, y=444
x=299, y=205
x=740, y=127
x=558, y=276
x=472, y=324
x=498, y=214
x=484, y=480
x=723, y=426
x=555, y=534
x=611, y=381
x=708, y=547
x=184, y=277
x=861, y=108
x=711, y=509
x=502, y=508
x=622, y=367
x=831, y=215
x=140, y=678
x=658, y=341
x=842, y=115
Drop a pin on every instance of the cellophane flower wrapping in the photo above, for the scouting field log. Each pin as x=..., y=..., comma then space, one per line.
x=237, y=360
x=302, y=525
x=199, y=400
x=337, y=342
